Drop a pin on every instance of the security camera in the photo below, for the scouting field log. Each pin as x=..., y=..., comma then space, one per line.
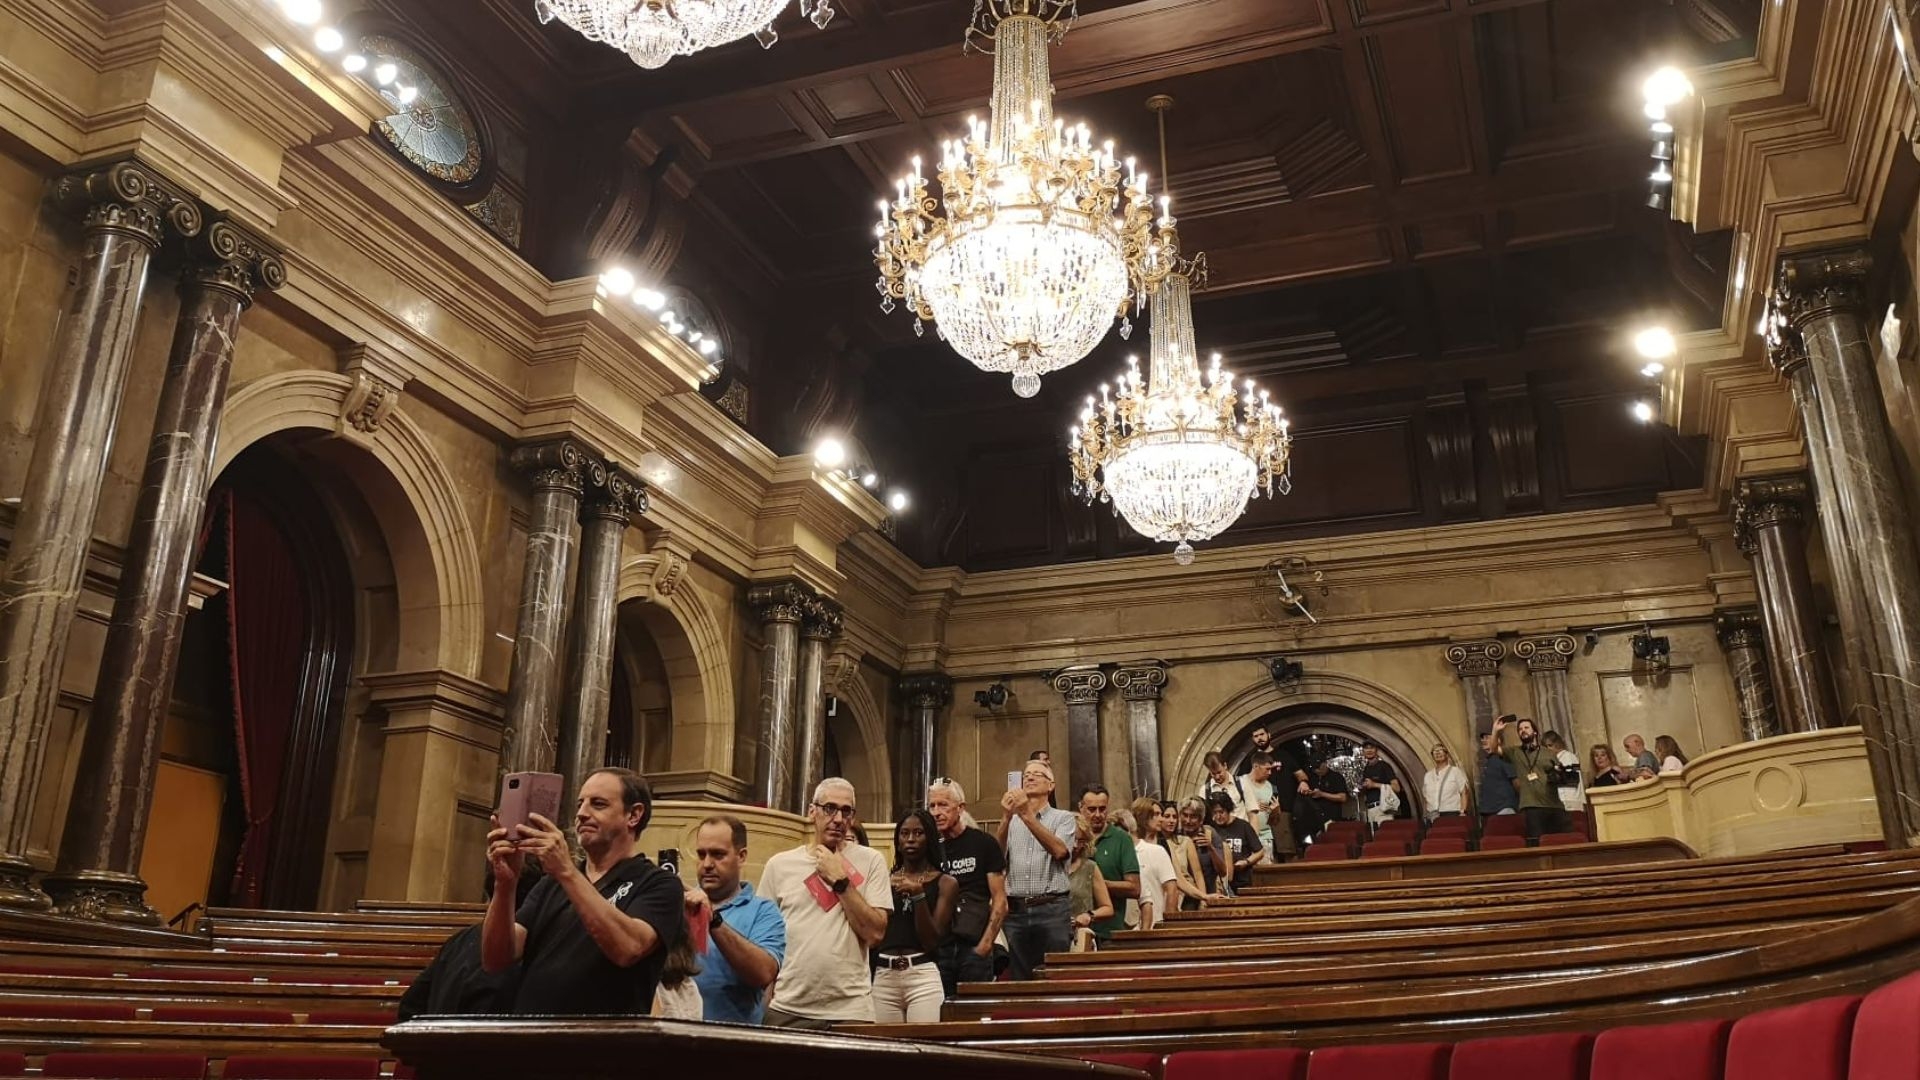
x=1593, y=639
x=993, y=697
x=1284, y=670
x=1654, y=651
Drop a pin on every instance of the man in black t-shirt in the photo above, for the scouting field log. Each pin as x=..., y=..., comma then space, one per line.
x=1244, y=850
x=1376, y=774
x=975, y=860
x=592, y=939
x=1320, y=798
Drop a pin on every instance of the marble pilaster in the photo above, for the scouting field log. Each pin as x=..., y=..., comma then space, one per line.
x=1823, y=297
x=1744, y=640
x=126, y=213
x=608, y=509
x=98, y=872
x=819, y=625
x=559, y=471
x=1140, y=685
x=1080, y=685
x=1769, y=516
x=1477, y=663
x=925, y=694
x=1547, y=659
x=780, y=607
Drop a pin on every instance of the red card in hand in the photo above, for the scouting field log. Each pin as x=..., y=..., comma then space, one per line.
x=823, y=893
x=699, y=925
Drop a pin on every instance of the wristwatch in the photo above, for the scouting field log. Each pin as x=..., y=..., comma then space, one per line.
x=715, y=921
x=840, y=886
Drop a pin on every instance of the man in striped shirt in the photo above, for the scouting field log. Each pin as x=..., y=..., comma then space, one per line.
x=1039, y=842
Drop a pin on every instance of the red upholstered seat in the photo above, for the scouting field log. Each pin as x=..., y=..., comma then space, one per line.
x=297, y=1067
x=1561, y=839
x=373, y=1017
x=1808, y=1041
x=12, y=1064
x=1504, y=825
x=1559, y=1055
x=1886, y=1033
x=1501, y=842
x=22, y=1009
x=1326, y=850
x=1389, y=848
x=1395, y=826
x=1579, y=821
x=1145, y=1061
x=1345, y=826
x=1271, y=1063
x=1443, y=845
x=1400, y=1061
x=219, y=1014
x=1449, y=824
x=13, y=967
x=89, y=1066
x=1695, y=1050
x=194, y=974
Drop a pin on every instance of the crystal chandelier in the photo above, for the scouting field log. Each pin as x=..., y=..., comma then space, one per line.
x=1177, y=454
x=1038, y=236
x=653, y=32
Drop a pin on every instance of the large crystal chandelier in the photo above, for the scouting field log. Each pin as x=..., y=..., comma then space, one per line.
x=1179, y=454
x=1038, y=236
x=653, y=32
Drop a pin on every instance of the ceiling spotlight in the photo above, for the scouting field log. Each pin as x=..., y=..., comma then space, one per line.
x=1655, y=343
x=1653, y=370
x=1668, y=86
x=707, y=346
x=649, y=299
x=408, y=94
x=385, y=73
x=1660, y=175
x=830, y=454
x=327, y=39
x=304, y=12
x=869, y=480
x=1643, y=411
x=617, y=281
x=897, y=501
x=1661, y=127
x=354, y=63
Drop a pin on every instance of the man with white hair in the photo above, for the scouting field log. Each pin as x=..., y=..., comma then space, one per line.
x=835, y=896
x=974, y=860
x=1039, y=843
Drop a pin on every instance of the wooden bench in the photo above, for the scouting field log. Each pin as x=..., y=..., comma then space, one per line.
x=1470, y=864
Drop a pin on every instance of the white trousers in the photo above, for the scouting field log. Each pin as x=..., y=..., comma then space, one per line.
x=912, y=996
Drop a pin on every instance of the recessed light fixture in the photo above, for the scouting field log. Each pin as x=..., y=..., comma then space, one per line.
x=1655, y=343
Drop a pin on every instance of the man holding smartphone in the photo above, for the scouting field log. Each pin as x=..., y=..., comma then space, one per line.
x=590, y=939
x=1039, y=842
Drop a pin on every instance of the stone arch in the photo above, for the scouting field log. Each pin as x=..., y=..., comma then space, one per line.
x=430, y=540
x=1330, y=688
x=870, y=764
x=689, y=638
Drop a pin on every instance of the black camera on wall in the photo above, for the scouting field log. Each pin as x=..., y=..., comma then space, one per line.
x=1284, y=670
x=1654, y=651
x=993, y=697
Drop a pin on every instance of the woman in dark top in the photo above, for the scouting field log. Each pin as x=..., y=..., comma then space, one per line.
x=906, y=984
x=1606, y=771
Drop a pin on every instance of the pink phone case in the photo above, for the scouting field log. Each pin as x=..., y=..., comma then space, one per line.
x=524, y=794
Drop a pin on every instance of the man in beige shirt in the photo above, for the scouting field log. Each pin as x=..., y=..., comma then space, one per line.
x=835, y=896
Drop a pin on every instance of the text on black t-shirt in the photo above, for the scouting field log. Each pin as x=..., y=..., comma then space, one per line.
x=969, y=858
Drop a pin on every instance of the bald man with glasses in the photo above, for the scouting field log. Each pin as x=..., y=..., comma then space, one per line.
x=835, y=896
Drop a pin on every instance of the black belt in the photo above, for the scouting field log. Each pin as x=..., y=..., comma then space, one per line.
x=1025, y=903
x=901, y=963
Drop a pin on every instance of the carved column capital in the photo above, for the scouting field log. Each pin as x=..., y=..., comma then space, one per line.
x=926, y=690
x=1476, y=657
x=1785, y=349
x=780, y=601
x=1761, y=502
x=1553, y=652
x=229, y=258
x=1740, y=628
x=130, y=199
x=1822, y=283
x=821, y=619
x=1141, y=681
x=1079, y=685
x=618, y=496
x=562, y=464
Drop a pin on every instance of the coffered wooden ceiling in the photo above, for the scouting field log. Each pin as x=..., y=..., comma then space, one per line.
x=1401, y=201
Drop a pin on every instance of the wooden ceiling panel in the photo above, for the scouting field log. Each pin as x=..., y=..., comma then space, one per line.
x=1239, y=261
x=1375, y=12
x=740, y=128
x=1545, y=221
x=1440, y=237
x=1416, y=78
x=849, y=106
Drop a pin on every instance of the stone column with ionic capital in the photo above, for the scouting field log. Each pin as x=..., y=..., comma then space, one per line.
x=1864, y=516
x=126, y=212
x=1769, y=517
x=98, y=874
x=925, y=694
x=611, y=501
x=1478, y=665
x=1744, y=640
x=1140, y=684
x=819, y=625
x=1081, y=685
x=780, y=607
x=559, y=470
x=1547, y=659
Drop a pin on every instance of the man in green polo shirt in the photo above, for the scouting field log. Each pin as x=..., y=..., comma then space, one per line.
x=1115, y=855
x=1532, y=775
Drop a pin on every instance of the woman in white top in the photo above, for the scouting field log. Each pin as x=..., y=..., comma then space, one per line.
x=1671, y=759
x=1158, y=892
x=1444, y=787
x=1573, y=796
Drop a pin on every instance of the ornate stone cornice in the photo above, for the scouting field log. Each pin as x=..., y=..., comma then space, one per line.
x=1822, y=283
x=618, y=496
x=1079, y=685
x=926, y=690
x=559, y=464
x=1142, y=680
x=821, y=619
x=1476, y=657
x=1740, y=628
x=1553, y=652
x=780, y=601
x=1761, y=502
x=130, y=199
x=229, y=258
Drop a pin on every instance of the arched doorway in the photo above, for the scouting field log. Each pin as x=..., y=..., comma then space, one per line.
x=1308, y=732
x=641, y=701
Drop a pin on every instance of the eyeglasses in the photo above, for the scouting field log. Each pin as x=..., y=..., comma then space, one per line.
x=835, y=810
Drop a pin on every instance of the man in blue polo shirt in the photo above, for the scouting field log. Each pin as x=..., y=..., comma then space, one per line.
x=748, y=941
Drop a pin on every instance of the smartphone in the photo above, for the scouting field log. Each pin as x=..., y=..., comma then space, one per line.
x=523, y=794
x=1013, y=780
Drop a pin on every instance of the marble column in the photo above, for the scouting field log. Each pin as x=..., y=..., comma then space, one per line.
x=819, y=625
x=1478, y=665
x=1547, y=660
x=780, y=607
x=1865, y=518
x=559, y=470
x=925, y=693
x=127, y=213
x=1140, y=684
x=98, y=875
x=1769, y=517
x=1080, y=686
x=608, y=509
x=1745, y=643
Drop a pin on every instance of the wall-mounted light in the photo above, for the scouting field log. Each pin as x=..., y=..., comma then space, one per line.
x=898, y=502
x=830, y=453
x=1655, y=343
x=1643, y=411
